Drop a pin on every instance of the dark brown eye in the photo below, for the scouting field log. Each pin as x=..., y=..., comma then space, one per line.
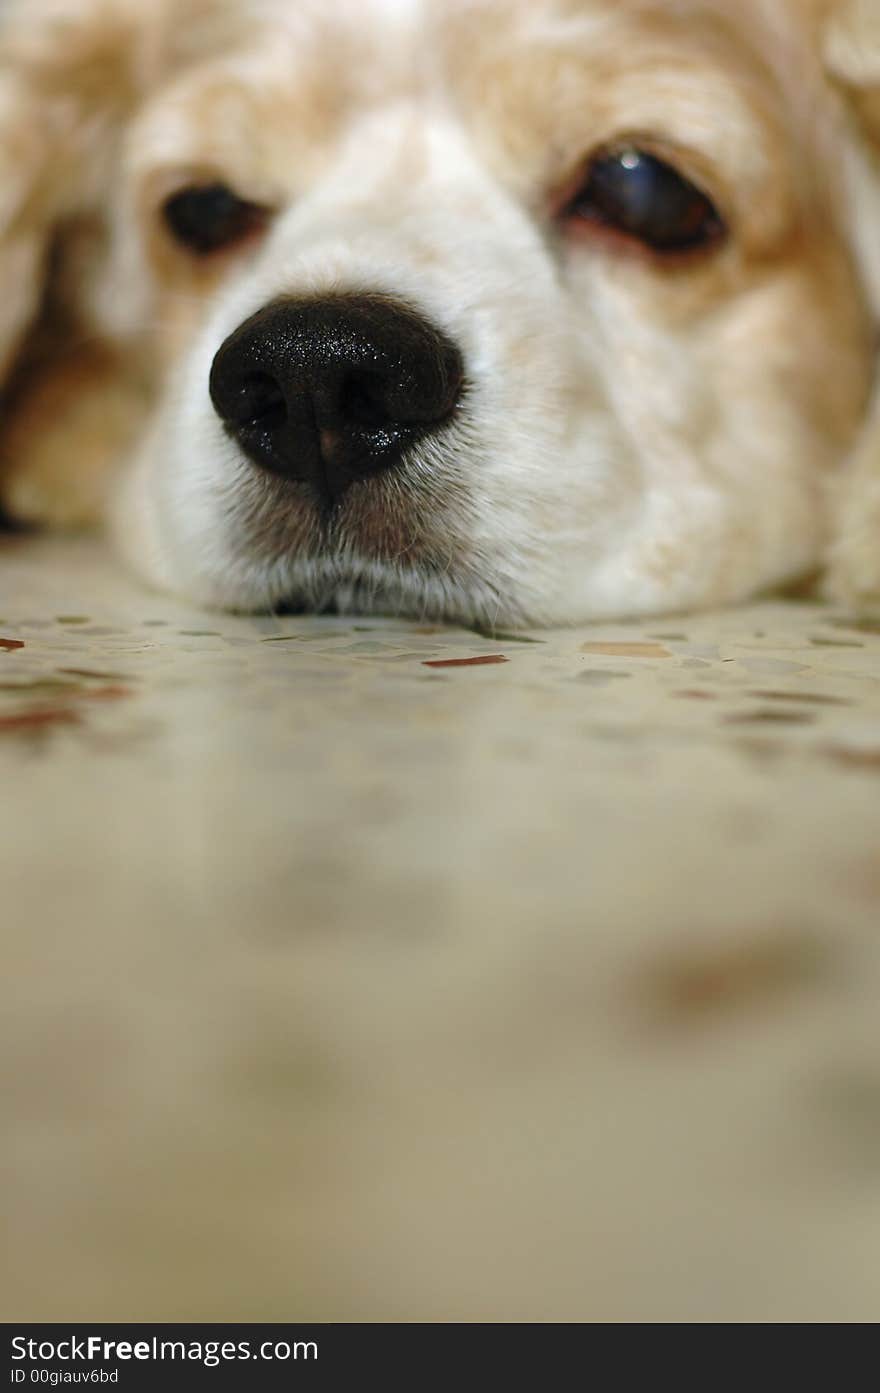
x=639, y=195
x=210, y=217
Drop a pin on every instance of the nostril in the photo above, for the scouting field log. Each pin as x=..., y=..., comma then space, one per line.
x=363, y=400
x=375, y=400
x=260, y=402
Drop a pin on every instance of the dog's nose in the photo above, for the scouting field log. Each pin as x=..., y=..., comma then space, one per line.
x=333, y=390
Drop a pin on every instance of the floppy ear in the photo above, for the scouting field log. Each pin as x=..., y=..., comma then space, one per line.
x=852, y=50
x=854, y=558
x=70, y=70
x=27, y=211
x=853, y=57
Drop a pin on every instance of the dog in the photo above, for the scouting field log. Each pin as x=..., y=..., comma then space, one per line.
x=494, y=311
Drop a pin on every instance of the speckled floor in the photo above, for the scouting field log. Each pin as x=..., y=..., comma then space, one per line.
x=348, y=977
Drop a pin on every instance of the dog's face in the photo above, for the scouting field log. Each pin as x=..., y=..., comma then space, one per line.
x=494, y=310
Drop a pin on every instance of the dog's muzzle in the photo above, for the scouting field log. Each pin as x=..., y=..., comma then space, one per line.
x=332, y=391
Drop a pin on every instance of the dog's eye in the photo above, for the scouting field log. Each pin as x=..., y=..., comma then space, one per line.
x=635, y=193
x=210, y=217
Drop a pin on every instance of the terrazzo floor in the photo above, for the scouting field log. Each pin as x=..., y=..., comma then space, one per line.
x=371, y=970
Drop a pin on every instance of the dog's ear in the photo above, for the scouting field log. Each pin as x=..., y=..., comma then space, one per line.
x=68, y=71
x=853, y=575
x=29, y=205
x=71, y=72
x=852, y=60
x=852, y=50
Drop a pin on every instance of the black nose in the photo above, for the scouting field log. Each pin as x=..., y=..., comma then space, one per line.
x=331, y=391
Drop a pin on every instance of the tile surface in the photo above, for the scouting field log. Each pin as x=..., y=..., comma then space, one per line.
x=371, y=970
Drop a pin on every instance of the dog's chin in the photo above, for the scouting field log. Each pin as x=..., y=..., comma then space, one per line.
x=355, y=586
x=348, y=582
x=385, y=549
x=393, y=546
